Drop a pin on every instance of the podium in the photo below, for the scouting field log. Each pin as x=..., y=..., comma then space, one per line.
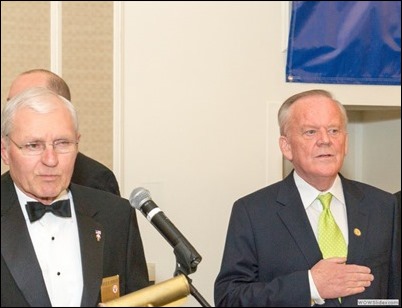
x=168, y=293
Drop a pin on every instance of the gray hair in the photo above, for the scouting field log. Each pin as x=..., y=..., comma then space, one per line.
x=35, y=99
x=284, y=113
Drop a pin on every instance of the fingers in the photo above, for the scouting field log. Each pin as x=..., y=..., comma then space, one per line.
x=333, y=278
x=353, y=268
x=352, y=291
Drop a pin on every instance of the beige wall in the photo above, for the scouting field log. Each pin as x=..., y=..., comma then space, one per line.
x=25, y=39
x=87, y=32
x=85, y=54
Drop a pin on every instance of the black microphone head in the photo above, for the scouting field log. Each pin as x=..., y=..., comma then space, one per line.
x=138, y=197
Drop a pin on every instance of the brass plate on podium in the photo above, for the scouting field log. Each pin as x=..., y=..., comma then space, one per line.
x=168, y=293
x=110, y=288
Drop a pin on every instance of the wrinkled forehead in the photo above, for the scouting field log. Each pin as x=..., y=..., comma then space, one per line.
x=317, y=109
x=315, y=105
x=314, y=101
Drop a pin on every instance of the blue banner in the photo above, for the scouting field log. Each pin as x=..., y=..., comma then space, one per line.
x=345, y=42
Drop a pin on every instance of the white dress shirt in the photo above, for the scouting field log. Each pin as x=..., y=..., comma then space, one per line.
x=57, y=247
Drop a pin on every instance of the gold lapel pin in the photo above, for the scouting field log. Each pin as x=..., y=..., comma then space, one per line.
x=98, y=235
x=357, y=232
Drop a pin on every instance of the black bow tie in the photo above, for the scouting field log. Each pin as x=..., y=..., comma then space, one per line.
x=36, y=210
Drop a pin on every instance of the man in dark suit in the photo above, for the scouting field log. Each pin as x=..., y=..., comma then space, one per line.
x=275, y=252
x=62, y=244
x=87, y=171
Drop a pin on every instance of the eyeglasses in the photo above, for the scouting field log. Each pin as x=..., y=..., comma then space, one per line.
x=38, y=147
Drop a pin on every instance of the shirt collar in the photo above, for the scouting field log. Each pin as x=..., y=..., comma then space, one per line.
x=309, y=193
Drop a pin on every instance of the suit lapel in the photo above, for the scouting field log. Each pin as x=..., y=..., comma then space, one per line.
x=18, y=251
x=357, y=222
x=92, y=244
x=295, y=218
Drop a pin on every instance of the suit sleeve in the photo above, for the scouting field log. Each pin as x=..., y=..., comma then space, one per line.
x=395, y=271
x=137, y=276
x=238, y=283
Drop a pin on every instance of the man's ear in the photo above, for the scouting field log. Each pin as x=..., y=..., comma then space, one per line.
x=346, y=144
x=285, y=147
x=4, y=151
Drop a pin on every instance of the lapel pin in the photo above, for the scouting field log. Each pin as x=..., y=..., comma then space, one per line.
x=357, y=232
x=98, y=235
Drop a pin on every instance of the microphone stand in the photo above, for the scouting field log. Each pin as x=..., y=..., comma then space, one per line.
x=187, y=261
x=194, y=292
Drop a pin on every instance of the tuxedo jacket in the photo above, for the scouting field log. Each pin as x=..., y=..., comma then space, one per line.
x=270, y=246
x=118, y=252
x=398, y=199
x=91, y=173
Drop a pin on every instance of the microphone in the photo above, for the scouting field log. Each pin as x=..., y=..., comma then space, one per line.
x=187, y=257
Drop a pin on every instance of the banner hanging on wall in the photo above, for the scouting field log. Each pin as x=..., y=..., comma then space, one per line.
x=345, y=42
